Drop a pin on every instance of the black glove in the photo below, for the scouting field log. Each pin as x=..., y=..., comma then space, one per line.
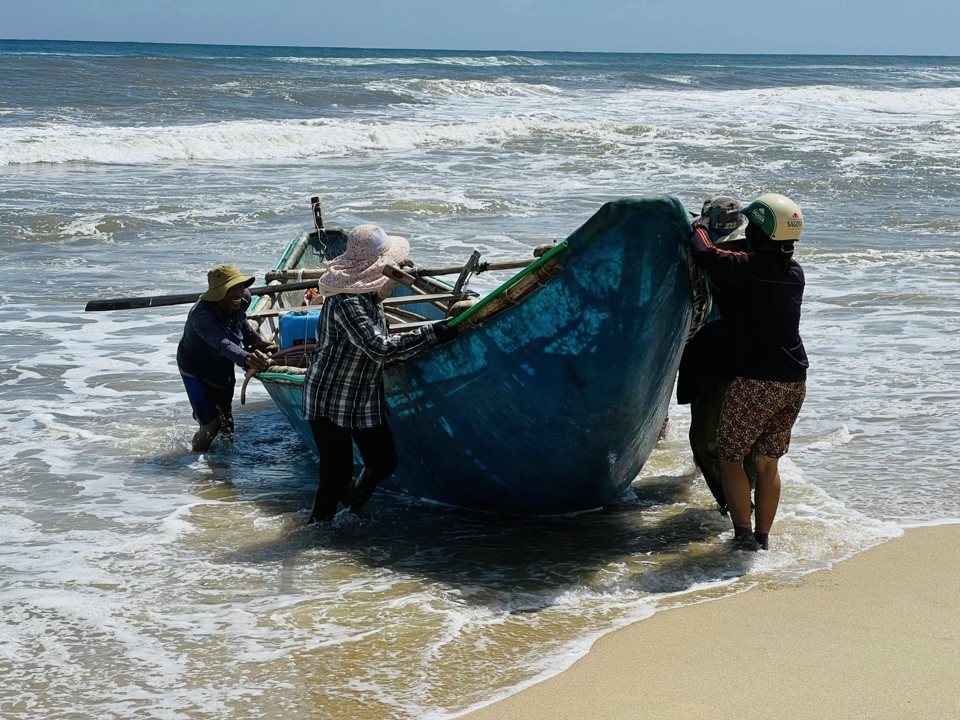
x=444, y=332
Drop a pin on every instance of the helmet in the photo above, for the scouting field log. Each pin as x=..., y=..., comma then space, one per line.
x=722, y=214
x=777, y=216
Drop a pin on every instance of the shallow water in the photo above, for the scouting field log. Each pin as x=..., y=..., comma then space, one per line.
x=140, y=579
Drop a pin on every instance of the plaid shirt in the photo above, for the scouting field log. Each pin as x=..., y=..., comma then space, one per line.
x=345, y=380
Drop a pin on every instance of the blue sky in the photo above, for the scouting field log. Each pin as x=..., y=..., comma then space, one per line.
x=911, y=27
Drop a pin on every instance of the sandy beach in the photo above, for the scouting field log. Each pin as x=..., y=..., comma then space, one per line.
x=876, y=636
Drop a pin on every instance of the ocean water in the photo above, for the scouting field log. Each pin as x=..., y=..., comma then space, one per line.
x=140, y=580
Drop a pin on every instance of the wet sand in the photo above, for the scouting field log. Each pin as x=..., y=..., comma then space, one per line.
x=876, y=636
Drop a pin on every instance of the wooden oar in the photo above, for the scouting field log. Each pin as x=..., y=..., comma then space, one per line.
x=161, y=300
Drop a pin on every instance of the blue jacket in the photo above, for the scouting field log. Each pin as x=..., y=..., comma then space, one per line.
x=760, y=309
x=213, y=343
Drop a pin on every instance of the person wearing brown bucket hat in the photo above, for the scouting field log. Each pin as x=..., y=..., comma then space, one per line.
x=343, y=393
x=217, y=337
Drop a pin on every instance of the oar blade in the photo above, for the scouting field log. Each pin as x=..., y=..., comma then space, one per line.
x=140, y=302
x=132, y=303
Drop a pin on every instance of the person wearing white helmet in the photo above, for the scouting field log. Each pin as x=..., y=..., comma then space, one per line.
x=762, y=290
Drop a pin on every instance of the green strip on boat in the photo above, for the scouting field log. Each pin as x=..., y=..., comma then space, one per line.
x=510, y=283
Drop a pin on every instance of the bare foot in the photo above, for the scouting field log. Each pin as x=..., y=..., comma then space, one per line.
x=205, y=435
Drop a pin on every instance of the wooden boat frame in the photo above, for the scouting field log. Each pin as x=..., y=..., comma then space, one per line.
x=556, y=391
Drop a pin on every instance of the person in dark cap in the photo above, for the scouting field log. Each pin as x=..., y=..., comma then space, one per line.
x=762, y=290
x=216, y=338
x=705, y=372
x=344, y=398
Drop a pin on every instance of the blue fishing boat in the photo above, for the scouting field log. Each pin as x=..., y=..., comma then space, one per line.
x=555, y=392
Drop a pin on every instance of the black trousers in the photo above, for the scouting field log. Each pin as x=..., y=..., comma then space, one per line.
x=335, y=447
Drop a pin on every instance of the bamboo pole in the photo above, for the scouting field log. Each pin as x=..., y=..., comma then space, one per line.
x=481, y=267
x=296, y=275
x=407, y=280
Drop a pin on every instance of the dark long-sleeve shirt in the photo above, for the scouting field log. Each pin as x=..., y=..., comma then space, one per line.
x=762, y=292
x=345, y=380
x=213, y=343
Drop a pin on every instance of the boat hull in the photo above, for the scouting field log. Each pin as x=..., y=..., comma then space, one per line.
x=554, y=404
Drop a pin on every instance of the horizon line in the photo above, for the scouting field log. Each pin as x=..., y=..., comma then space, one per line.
x=481, y=50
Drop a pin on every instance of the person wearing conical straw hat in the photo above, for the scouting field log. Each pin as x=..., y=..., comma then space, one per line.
x=216, y=338
x=344, y=398
x=762, y=295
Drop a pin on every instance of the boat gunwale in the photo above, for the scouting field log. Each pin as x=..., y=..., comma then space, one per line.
x=549, y=258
